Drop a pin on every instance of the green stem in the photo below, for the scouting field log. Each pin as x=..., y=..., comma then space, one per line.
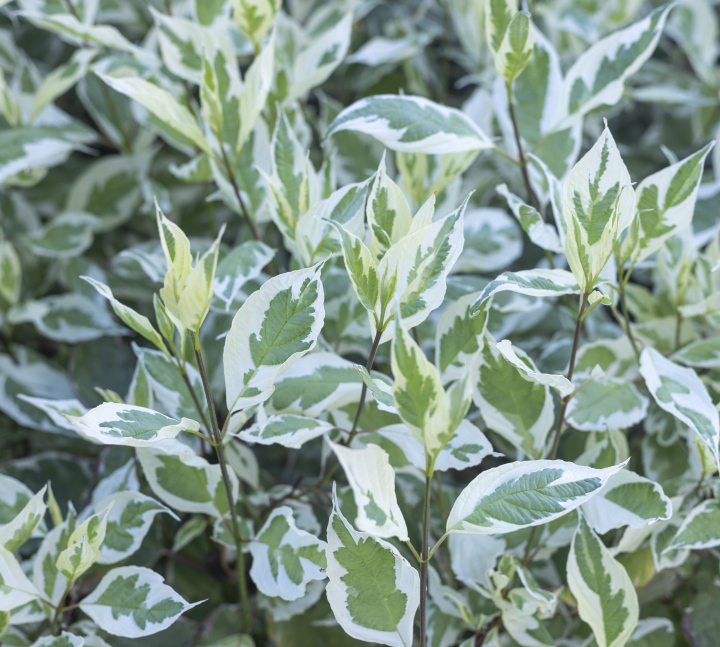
x=565, y=401
x=571, y=369
x=424, y=561
x=198, y=406
x=626, y=318
x=59, y=609
x=363, y=393
x=521, y=155
x=236, y=189
x=220, y=450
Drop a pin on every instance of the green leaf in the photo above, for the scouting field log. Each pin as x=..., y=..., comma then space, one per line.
x=605, y=594
x=522, y=494
x=680, y=392
x=276, y=326
x=373, y=591
x=286, y=558
x=411, y=124
x=132, y=602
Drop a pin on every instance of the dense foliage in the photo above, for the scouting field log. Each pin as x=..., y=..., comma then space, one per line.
x=355, y=321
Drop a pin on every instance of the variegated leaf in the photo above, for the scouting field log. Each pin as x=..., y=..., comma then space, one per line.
x=18, y=530
x=604, y=592
x=700, y=529
x=15, y=588
x=187, y=291
x=316, y=383
x=129, y=519
x=71, y=317
x=627, y=500
x=388, y=212
x=543, y=234
x=598, y=76
x=316, y=62
x=132, y=601
x=516, y=47
x=162, y=105
x=236, y=268
x=287, y=430
x=666, y=202
x=522, y=494
x=560, y=383
x=184, y=481
x=125, y=424
x=139, y=323
x=534, y=283
x=276, y=326
x=466, y=448
x=286, y=558
x=373, y=591
x=373, y=484
x=598, y=203
x=519, y=409
x=680, y=391
x=411, y=124
x=606, y=403
x=255, y=17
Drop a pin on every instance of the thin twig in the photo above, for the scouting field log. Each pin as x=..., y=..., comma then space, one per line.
x=521, y=155
x=231, y=177
x=242, y=585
